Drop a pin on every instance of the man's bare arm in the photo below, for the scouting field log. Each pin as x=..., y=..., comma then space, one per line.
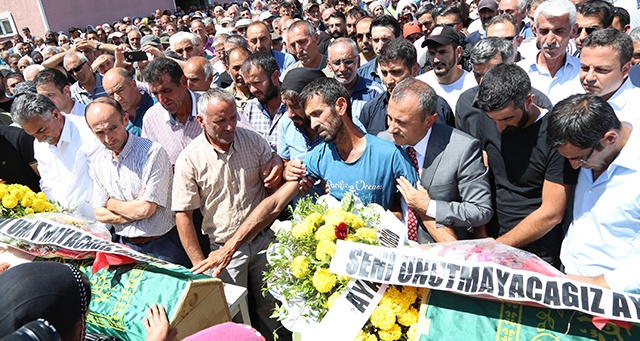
x=188, y=237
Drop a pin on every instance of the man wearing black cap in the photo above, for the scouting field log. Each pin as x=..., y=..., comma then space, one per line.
x=446, y=78
x=487, y=9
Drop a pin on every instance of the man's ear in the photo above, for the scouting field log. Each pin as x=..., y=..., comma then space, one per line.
x=341, y=106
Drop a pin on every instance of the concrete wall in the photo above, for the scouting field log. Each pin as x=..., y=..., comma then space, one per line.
x=62, y=14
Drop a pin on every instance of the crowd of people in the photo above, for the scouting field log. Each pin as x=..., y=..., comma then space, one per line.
x=188, y=134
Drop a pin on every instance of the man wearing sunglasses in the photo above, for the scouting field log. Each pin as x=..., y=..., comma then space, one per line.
x=591, y=16
x=89, y=84
x=601, y=246
x=344, y=62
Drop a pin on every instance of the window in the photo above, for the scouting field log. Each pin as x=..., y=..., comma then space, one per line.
x=7, y=26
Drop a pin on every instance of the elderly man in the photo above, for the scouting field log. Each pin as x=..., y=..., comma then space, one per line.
x=202, y=182
x=54, y=84
x=453, y=197
x=200, y=74
x=302, y=41
x=121, y=86
x=239, y=88
x=134, y=37
x=259, y=39
x=65, y=149
x=518, y=10
x=586, y=131
x=199, y=28
x=344, y=63
x=553, y=71
x=532, y=182
x=136, y=202
x=89, y=84
x=185, y=44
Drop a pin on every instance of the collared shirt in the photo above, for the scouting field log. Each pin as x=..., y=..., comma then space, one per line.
x=64, y=168
x=284, y=61
x=421, y=151
x=262, y=121
x=208, y=48
x=241, y=101
x=626, y=102
x=78, y=109
x=450, y=92
x=363, y=91
x=322, y=67
x=225, y=186
x=526, y=31
x=162, y=127
x=370, y=71
x=142, y=166
x=604, y=236
x=565, y=83
x=135, y=122
x=294, y=143
x=83, y=96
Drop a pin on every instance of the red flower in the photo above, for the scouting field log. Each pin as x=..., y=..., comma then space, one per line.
x=341, y=231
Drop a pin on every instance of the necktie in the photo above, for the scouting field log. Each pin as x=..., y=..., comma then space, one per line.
x=412, y=219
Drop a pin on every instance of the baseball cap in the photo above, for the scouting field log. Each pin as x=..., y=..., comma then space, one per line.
x=243, y=23
x=264, y=16
x=150, y=39
x=410, y=28
x=442, y=35
x=307, y=8
x=490, y=4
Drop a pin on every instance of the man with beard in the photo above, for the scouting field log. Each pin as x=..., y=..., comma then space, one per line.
x=337, y=29
x=383, y=28
x=531, y=180
x=446, y=78
x=259, y=39
x=344, y=62
x=363, y=38
x=260, y=72
x=239, y=89
x=426, y=18
x=553, y=70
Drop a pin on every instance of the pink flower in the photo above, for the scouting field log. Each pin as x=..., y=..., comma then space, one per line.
x=341, y=231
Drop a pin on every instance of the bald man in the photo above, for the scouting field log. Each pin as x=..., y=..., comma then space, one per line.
x=120, y=85
x=200, y=74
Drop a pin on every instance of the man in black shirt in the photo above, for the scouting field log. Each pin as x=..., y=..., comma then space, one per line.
x=17, y=163
x=531, y=180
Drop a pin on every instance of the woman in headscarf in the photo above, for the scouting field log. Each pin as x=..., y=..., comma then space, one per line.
x=376, y=8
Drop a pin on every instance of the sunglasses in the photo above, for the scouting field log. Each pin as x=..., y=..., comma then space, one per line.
x=180, y=51
x=589, y=30
x=361, y=36
x=347, y=62
x=77, y=68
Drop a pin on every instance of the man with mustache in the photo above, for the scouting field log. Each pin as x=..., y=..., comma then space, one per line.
x=553, y=71
x=302, y=41
x=239, y=89
x=531, y=180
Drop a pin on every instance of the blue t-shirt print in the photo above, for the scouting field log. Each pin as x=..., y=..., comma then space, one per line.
x=372, y=177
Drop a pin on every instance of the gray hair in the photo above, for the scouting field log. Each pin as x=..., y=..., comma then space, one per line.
x=635, y=34
x=78, y=54
x=555, y=9
x=208, y=70
x=237, y=40
x=50, y=49
x=30, y=105
x=207, y=21
x=27, y=58
x=215, y=93
x=344, y=40
x=489, y=47
x=427, y=98
x=182, y=36
x=522, y=4
x=220, y=38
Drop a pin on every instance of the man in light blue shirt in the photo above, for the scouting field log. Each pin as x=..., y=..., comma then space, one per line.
x=602, y=245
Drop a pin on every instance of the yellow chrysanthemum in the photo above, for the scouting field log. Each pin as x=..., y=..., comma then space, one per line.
x=39, y=205
x=383, y=317
x=27, y=199
x=325, y=248
x=314, y=219
x=41, y=196
x=364, y=336
x=4, y=189
x=18, y=191
x=367, y=234
x=390, y=334
x=326, y=232
x=408, y=317
x=9, y=201
x=334, y=216
x=392, y=299
x=353, y=221
x=410, y=294
x=332, y=299
x=412, y=332
x=300, y=267
x=30, y=210
x=323, y=280
x=302, y=230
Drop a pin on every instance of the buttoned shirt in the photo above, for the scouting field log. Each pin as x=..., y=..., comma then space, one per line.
x=162, y=127
x=262, y=121
x=565, y=83
x=363, y=91
x=64, y=168
x=604, y=236
x=241, y=101
x=225, y=185
x=284, y=61
x=78, y=109
x=135, y=122
x=83, y=96
x=626, y=102
x=141, y=166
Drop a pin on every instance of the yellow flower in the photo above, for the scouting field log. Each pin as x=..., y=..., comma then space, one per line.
x=326, y=232
x=334, y=216
x=353, y=221
x=383, y=317
x=412, y=332
x=364, y=336
x=325, y=248
x=314, y=219
x=323, y=280
x=390, y=334
x=4, y=189
x=39, y=205
x=27, y=199
x=41, y=196
x=18, y=191
x=409, y=317
x=332, y=299
x=367, y=234
x=9, y=201
x=30, y=210
x=300, y=267
x=302, y=230
x=399, y=301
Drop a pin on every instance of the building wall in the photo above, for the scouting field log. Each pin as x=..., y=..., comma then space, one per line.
x=62, y=14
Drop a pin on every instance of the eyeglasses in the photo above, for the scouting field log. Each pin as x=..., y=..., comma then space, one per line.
x=361, y=36
x=180, y=51
x=77, y=68
x=589, y=29
x=586, y=158
x=347, y=62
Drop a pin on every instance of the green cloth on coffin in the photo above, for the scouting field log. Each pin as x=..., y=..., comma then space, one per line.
x=458, y=317
x=120, y=297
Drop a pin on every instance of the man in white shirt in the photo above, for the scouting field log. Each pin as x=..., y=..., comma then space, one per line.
x=554, y=71
x=605, y=62
x=446, y=78
x=602, y=244
x=65, y=148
